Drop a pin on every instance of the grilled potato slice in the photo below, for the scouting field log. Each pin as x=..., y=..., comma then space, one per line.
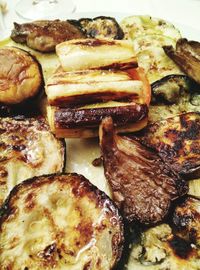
x=20, y=76
x=59, y=222
x=85, y=54
x=177, y=141
x=90, y=86
x=27, y=149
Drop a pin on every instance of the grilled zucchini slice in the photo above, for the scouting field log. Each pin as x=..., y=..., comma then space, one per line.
x=59, y=222
x=27, y=149
x=134, y=26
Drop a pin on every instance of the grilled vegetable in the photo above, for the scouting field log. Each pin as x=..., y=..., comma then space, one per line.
x=170, y=88
x=27, y=149
x=152, y=58
x=134, y=26
x=142, y=185
x=177, y=141
x=187, y=56
x=90, y=86
x=20, y=76
x=102, y=27
x=187, y=220
x=159, y=248
x=60, y=222
x=86, y=54
x=84, y=121
x=45, y=35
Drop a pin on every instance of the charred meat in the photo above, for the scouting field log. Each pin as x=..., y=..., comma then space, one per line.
x=27, y=149
x=177, y=141
x=45, y=35
x=143, y=186
x=187, y=56
x=60, y=222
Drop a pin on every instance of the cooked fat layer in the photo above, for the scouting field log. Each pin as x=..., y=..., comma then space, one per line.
x=59, y=222
x=27, y=149
x=94, y=53
x=67, y=88
x=20, y=76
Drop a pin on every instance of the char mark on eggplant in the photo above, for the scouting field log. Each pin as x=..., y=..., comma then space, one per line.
x=177, y=141
x=143, y=186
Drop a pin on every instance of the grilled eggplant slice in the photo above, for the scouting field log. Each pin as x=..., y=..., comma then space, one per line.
x=28, y=148
x=60, y=222
x=143, y=186
x=135, y=26
x=187, y=219
x=177, y=141
x=20, y=76
x=102, y=27
x=187, y=56
x=84, y=121
x=169, y=89
x=44, y=35
x=90, y=86
x=83, y=54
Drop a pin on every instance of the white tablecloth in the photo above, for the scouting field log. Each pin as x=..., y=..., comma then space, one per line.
x=185, y=12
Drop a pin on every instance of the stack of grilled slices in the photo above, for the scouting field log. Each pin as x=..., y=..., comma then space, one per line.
x=97, y=78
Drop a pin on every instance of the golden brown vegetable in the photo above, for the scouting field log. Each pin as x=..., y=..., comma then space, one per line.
x=59, y=222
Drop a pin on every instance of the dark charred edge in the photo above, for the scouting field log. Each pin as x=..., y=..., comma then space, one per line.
x=74, y=118
x=94, y=42
x=64, y=148
x=155, y=85
x=16, y=34
x=119, y=35
x=100, y=197
x=85, y=99
x=76, y=23
x=30, y=106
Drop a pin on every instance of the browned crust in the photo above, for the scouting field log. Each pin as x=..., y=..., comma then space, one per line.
x=75, y=118
x=81, y=187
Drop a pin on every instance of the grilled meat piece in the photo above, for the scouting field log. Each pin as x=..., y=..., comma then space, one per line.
x=187, y=56
x=20, y=76
x=59, y=222
x=101, y=27
x=27, y=149
x=187, y=219
x=84, y=121
x=44, y=35
x=177, y=141
x=143, y=186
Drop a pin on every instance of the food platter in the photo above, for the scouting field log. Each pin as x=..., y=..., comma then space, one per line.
x=81, y=152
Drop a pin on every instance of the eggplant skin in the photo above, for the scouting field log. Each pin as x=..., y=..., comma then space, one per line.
x=74, y=227
x=143, y=186
x=21, y=78
x=44, y=35
x=27, y=148
x=177, y=141
x=101, y=26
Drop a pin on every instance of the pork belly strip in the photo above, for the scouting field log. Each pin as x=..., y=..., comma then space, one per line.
x=91, y=117
x=143, y=186
x=44, y=35
x=90, y=86
x=177, y=141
